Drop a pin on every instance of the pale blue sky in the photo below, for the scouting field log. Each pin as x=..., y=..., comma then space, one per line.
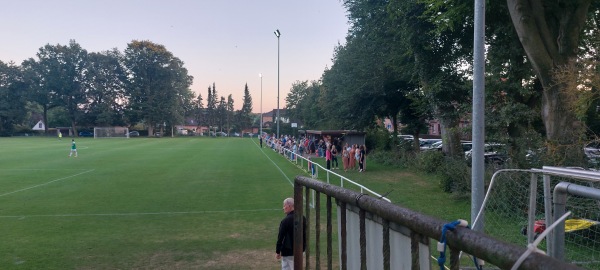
x=228, y=42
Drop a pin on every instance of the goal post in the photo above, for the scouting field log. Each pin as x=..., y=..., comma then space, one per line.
x=111, y=132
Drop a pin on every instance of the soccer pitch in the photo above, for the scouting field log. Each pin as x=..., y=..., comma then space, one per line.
x=141, y=203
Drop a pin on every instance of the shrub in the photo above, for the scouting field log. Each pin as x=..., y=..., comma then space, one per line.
x=454, y=176
x=378, y=138
x=387, y=158
x=429, y=161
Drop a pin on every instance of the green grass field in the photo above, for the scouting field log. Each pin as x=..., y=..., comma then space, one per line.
x=164, y=203
x=140, y=203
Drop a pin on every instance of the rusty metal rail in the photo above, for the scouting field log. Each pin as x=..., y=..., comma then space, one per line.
x=482, y=246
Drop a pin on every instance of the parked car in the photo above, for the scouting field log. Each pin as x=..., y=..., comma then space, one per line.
x=436, y=146
x=466, y=146
x=592, y=150
x=221, y=134
x=235, y=134
x=406, y=137
x=425, y=144
x=592, y=153
x=493, y=153
x=86, y=134
x=134, y=134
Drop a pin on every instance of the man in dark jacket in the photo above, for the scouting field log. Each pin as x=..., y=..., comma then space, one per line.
x=285, y=238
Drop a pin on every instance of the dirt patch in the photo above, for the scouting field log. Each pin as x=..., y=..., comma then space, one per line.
x=251, y=260
x=242, y=259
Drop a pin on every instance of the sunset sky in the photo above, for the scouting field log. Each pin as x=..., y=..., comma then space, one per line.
x=228, y=42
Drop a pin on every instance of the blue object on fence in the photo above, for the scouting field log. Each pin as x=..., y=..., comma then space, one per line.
x=442, y=244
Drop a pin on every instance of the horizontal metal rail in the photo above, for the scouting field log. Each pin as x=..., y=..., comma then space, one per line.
x=496, y=252
x=294, y=157
x=560, y=200
x=574, y=173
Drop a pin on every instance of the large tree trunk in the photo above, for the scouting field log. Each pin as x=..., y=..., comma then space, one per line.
x=449, y=127
x=549, y=32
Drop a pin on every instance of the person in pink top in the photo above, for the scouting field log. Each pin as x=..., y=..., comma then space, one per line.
x=352, y=153
x=306, y=146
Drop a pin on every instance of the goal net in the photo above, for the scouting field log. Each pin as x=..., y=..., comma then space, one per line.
x=111, y=132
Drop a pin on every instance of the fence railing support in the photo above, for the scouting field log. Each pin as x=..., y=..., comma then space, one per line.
x=560, y=200
x=498, y=253
x=317, y=230
x=298, y=225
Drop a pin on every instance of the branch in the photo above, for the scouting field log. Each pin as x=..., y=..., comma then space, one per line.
x=528, y=30
x=546, y=35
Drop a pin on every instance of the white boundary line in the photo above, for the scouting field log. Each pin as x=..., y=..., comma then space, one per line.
x=42, y=169
x=286, y=177
x=141, y=214
x=55, y=180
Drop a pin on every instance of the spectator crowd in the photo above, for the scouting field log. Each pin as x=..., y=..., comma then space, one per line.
x=353, y=157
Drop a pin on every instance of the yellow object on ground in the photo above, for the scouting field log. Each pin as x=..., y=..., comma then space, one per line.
x=572, y=225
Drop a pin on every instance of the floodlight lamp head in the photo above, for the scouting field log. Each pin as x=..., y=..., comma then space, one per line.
x=260, y=75
x=277, y=33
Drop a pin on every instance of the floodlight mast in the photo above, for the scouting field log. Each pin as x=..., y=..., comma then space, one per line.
x=261, y=110
x=277, y=34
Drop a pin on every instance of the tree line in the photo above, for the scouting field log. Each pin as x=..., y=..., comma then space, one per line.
x=146, y=84
x=410, y=61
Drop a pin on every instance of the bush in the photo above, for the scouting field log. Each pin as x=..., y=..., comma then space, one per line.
x=455, y=176
x=378, y=138
x=429, y=161
x=386, y=158
x=454, y=173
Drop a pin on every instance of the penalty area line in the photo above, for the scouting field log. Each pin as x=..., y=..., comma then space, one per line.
x=47, y=183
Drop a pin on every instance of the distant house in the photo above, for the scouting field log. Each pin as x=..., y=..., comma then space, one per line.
x=39, y=126
x=190, y=125
x=270, y=116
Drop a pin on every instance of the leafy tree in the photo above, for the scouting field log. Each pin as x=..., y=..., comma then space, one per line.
x=186, y=105
x=438, y=50
x=302, y=104
x=535, y=48
x=105, y=92
x=58, y=78
x=38, y=88
x=294, y=100
x=158, y=84
x=371, y=77
x=13, y=93
x=550, y=33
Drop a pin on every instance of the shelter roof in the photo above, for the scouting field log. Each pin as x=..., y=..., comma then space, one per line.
x=335, y=132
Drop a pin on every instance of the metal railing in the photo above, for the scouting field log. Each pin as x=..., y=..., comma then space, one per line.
x=496, y=252
x=560, y=200
x=314, y=168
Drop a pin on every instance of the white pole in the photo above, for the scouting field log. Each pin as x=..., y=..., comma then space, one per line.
x=261, y=111
x=278, y=34
x=478, y=133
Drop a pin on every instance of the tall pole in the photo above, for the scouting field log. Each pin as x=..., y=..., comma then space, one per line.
x=261, y=112
x=277, y=33
x=478, y=133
